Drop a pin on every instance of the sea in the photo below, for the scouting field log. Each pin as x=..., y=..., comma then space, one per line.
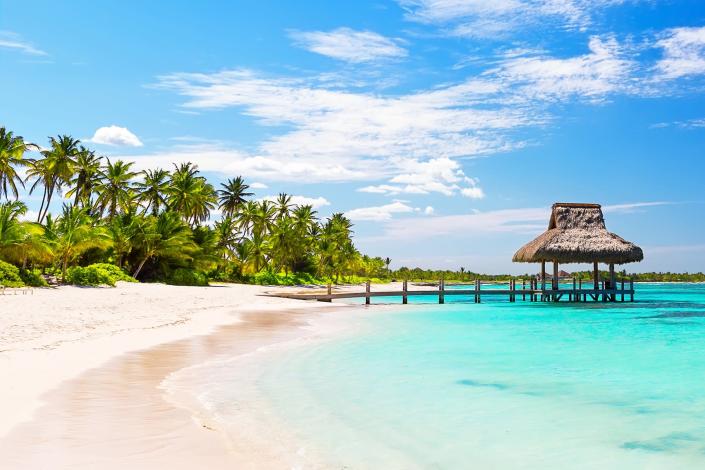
x=495, y=385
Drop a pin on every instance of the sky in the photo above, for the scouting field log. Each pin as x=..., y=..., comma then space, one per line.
x=444, y=129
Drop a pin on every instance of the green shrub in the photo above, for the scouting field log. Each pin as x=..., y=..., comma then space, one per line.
x=268, y=278
x=99, y=274
x=10, y=275
x=187, y=277
x=32, y=278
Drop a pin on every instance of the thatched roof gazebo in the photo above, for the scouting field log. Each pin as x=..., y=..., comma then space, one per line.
x=577, y=234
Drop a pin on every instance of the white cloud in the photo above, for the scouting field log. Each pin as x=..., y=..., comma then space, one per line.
x=117, y=136
x=473, y=192
x=258, y=185
x=315, y=202
x=378, y=213
x=529, y=221
x=429, y=210
x=349, y=45
x=12, y=41
x=688, y=124
x=592, y=76
x=489, y=19
x=683, y=53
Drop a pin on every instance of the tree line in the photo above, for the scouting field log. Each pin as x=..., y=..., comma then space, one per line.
x=158, y=222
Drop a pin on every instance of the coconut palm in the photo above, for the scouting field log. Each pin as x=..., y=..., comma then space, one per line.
x=114, y=188
x=233, y=195
x=152, y=190
x=76, y=234
x=283, y=205
x=55, y=169
x=164, y=236
x=86, y=177
x=12, y=157
x=21, y=241
x=191, y=195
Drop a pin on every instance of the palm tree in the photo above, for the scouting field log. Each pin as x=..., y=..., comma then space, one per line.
x=283, y=205
x=233, y=195
x=75, y=234
x=387, y=262
x=87, y=173
x=165, y=236
x=12, y=150
x=114, y=188
x=255, y=250
x=283, y=244
x=228, y=236
x=191, y=195
x=152, y=191
x=55, y=169
x=21, y=241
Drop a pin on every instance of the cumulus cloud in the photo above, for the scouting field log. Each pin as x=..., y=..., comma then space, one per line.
x=379, y=213
x=13, y=41
x=349, y=45
x=117, y=136
x=429, y=210
x=683, y=53
x=258, y=185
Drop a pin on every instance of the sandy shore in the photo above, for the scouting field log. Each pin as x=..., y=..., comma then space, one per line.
x=84, y=366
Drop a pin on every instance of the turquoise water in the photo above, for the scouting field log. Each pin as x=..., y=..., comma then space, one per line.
x=500, y=385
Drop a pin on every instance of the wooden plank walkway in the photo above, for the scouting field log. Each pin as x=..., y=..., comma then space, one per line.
x=531, y=294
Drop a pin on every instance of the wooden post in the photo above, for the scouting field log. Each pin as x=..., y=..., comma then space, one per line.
x=596, y=278
x=523, y=288
x=622, y=290
x=367, y=292
x=631, y=289
x=479, y=288
x=613, y=283
x=330, y=289
x=404, y=298
x=543, y=279
x=554, y=283
x=572, y=296
x=511, y=290
x=580, y=288
x=441, y=291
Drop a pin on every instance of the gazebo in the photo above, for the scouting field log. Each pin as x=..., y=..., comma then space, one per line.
x=577, y=234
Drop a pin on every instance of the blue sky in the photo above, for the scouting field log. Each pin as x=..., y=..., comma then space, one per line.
x=444, y=128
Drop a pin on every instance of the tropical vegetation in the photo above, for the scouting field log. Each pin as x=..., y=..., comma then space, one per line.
x=159, y=224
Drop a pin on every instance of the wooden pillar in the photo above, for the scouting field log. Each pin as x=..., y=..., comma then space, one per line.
x=367, y=293
x=330, y=289
x=523, y=288
x=511, y=290
x=543, y=279
x=580, y=288
x=554, y=281
x=441, y=291
x=404, y=297
x=631, y=289
x=622, y=299
x=572, y=296
x=613, y=283
x=596, y=278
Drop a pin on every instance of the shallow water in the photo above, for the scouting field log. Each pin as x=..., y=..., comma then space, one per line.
x=501, y=385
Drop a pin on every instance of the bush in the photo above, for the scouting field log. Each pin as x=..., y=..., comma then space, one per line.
x=187, y=277
x=99, y=274
x=32, y=278
x=10, y=275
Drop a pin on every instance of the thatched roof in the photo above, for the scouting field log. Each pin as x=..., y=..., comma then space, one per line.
x=577, y=234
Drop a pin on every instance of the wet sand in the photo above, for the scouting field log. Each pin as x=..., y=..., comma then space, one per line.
x=117, y=416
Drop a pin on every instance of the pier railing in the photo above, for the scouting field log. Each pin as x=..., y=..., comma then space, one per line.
x=531, y=290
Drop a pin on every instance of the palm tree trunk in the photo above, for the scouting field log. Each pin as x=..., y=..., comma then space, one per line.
x=139, y=268
x=41, y=208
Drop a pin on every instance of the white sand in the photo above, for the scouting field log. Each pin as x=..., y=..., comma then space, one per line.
x=55, y=334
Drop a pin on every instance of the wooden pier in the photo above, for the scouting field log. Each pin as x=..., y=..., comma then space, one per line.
x=527, y=290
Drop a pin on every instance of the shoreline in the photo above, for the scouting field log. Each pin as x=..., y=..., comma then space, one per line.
x=42, y=397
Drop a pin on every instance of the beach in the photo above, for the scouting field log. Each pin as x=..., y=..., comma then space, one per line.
x=86, y=366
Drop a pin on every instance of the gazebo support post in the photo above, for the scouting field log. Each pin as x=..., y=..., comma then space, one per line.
x=613, y=283
x=543, y=279
x=554, y=281
x=596, y=279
